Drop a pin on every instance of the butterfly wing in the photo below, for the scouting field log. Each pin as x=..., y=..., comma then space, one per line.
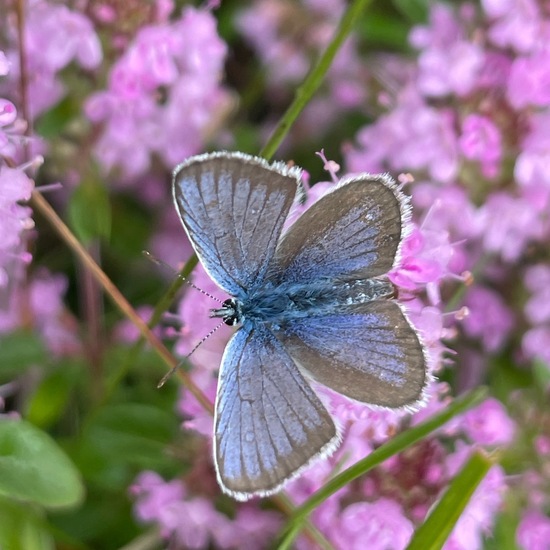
x=269, y=423
x=350, y=233
x=233, y=208
x=368, y=352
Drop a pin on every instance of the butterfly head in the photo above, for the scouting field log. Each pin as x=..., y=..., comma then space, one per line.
x=230, y=312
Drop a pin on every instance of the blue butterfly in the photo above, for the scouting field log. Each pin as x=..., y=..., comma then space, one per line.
x=312, y=303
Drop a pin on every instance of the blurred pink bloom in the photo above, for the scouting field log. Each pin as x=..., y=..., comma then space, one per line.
x=251, y=528
x=181, y=60
x=445, y=71
x=508, y=224
x=535, y=343
x=413, y=136
x=533, y=532
x=529, y=81
x=195, y=417
x=380, y=525
x=537, y=281
x=480, y=140
x=531, y=169
x=515, y=23
x=127, y=332
x=489, y=319
x=194, y=522
x=55, y=36
x=489, y=424
x=56, y=326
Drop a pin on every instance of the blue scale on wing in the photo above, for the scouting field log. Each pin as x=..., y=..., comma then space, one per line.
x=233, y=220
x=352, y=233
x=269, y=422
x=368, y=352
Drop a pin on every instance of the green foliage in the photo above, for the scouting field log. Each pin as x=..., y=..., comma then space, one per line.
x=20, y=350
x=22, y=527
x=435, y=530
x=33, y=468
x=90, y=211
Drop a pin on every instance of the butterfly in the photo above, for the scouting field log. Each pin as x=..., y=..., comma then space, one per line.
x=312, y=303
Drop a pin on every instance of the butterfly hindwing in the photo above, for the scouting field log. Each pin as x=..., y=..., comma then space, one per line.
x=269, y=422
x=368, y=352
x=233, y=208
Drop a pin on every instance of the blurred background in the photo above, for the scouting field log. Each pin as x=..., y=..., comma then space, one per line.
x=100, y=100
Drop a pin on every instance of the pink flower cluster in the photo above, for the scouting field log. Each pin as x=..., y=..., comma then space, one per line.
x=163, y=95
x=15, y=187
x=470, y=120
x=192, y=521
x=55, y=36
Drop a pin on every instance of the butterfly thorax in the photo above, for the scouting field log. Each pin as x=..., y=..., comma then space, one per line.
x=277, y=304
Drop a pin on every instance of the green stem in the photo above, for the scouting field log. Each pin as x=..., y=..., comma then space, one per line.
x=314, y=79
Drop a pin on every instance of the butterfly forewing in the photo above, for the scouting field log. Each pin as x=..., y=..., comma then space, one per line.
x=351, y=233
x=269, y=422
x=233, y=208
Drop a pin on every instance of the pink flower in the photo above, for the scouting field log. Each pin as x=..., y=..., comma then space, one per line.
x=537, y=281
x=380, y=525
x=507, y=224
x=531, y=169
x=193, y=521
x=533, y=532
x=251, y=528
x=489, y=424
x=489, y=318
x=55, y=36
x=515, y=23
x=183, y=61
x=15, y=186
x=425, y=256
x=535, y=343
x=413, y=136
x=529, y=81
x=480, y=140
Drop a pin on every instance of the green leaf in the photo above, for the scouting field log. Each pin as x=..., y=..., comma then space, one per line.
x=51, y=397
x=90, y=211
x=433, y=533
x=124, y=439
x=541, y=374
x=22, y=527
x=131, y=227
x=385, y=31
x=52, y=123
x=33, y=468
x=20, y=350
x=416, y=11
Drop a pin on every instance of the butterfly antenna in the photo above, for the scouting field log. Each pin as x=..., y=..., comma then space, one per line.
x=174, y=369
x=160, y=263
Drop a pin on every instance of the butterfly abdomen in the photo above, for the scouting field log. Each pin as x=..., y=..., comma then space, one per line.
x=286, y=302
